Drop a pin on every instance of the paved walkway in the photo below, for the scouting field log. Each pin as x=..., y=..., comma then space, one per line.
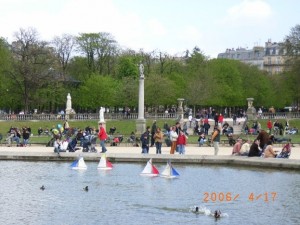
x=190, y=150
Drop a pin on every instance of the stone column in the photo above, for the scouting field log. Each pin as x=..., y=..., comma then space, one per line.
x=180, y=110
x=141, y=122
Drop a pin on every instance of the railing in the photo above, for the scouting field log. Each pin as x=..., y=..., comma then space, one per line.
x=280, y=115
x=85, y=116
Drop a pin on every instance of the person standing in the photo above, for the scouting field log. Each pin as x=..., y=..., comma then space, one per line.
x=158, y=138
x=216, y=119
x=190, y=119
x=181, y=142
x=206, y=126
x=269, y=125
x=215, y=139
x=145, y=141
x=66, y=126
x=221, y=119
x=173, y=138
x=102, y=135
x=153, y=130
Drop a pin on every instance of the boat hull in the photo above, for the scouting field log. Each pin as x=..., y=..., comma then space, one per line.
x=148, y=174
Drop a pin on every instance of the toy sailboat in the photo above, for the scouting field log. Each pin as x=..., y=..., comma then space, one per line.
x=79, y=164
x=169, y=172
x=104, y=164
x=150, y=170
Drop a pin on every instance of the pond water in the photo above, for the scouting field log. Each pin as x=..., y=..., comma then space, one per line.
x=122, y=196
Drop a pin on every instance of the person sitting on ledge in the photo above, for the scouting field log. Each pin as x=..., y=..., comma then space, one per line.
x=57, y=145
x=285, y=152
x=237, y=147
x=269, y=152
x=254, y=149
x=245, y=148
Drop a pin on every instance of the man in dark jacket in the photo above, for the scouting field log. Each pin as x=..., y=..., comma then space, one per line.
x=153, y=130
x=145, y=141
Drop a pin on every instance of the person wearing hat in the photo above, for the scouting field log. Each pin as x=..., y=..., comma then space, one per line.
x=215, y=139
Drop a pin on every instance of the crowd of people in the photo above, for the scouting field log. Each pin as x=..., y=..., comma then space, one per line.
x=176, y=138
x=20, y=136
x=262, y=146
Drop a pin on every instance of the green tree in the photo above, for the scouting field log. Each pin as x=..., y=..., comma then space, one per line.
x=160, y=91
x=127, y=93
x=226, y=83
x=98, y=91
x=127, y=67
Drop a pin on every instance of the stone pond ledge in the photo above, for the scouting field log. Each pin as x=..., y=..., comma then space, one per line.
x=201, y=160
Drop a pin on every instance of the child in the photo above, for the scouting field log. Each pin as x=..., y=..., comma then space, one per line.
x=201, y=139
x=181, y=142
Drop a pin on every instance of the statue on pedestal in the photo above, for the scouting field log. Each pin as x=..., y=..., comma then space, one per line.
x=101, y=114
x=69, y=103
x=141, y=69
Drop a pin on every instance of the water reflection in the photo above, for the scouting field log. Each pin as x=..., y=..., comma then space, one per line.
x=122, y=196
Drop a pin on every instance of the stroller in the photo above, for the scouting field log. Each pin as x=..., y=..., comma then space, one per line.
x=89, y=143
x=285, y=152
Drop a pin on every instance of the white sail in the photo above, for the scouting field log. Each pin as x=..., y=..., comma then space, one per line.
x=169, y=172
x=79, y=164
x=149, y=170
x=104, y=164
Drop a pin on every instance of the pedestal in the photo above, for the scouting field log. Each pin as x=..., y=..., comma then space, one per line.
x=251, y=111
x=180, y=110
x=140, y=126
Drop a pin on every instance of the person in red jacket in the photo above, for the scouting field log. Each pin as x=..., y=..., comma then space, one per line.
x=269, y=125
x=181, y=142
x=102, y=135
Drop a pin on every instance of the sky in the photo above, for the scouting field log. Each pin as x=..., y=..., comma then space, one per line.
x=170, y=26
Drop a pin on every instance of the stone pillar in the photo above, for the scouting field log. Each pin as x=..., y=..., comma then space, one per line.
x=141, y=121
x=180, y=110
x=251, y=111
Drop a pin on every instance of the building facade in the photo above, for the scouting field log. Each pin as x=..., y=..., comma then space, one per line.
x=269, y=58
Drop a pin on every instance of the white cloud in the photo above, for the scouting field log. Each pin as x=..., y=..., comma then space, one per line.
x=249, y=12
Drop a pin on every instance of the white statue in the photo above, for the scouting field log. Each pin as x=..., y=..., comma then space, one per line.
x=141, y=68
x=101, y=114
x=69, y=102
